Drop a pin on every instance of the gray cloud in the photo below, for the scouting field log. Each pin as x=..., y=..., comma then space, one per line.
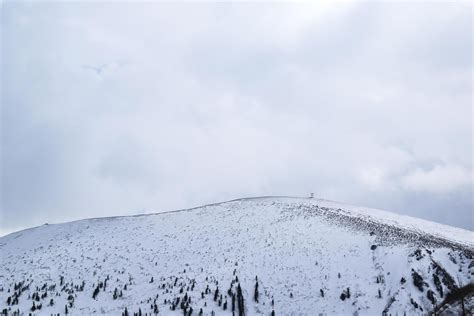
x=365, y=103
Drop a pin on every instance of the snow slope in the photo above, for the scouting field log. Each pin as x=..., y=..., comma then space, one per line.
x=307, y=254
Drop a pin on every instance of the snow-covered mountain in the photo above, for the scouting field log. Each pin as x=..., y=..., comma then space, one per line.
x=308, y=257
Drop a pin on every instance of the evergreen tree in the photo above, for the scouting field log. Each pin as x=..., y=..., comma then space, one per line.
x=240, y=301
x=255, y=295
x=96, y=292
x=216, y=293
x=343, y=296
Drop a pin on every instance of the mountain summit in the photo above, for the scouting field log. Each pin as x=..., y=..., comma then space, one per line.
x=254, y=256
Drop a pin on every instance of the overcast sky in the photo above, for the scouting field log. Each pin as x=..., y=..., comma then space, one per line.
x=115, y=109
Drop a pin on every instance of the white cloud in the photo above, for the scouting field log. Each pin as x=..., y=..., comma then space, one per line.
x=203, y=102
x=373, y=178
x=440, y=179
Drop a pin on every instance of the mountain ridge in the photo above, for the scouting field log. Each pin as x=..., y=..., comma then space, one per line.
x=468, y=234
x=303, y=255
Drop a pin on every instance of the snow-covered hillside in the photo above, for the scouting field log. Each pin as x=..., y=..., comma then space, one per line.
x=308, y=257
